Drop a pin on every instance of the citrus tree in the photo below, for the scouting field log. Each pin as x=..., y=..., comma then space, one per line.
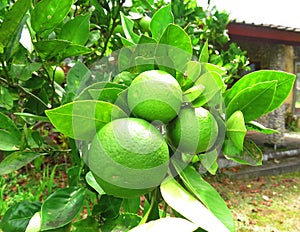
x=140, y=121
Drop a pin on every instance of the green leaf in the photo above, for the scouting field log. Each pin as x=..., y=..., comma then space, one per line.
x=77, y=77
x=34, y=117
x=34, y=224
x=16, y=160
x=59, y=49
x=18, y=216
x=285, y=82
x=61, y=207
x=47, y=14
x=90, y=179
x=208, y=160
x=76, y=30
x=204, y=55
x=127, y=25
x=108, y=94
x=123, y=222
x=255, y=126
x=236, y=130
x=82, y=119
x=108, y=206
x=251, y=154
x=193, y=93
x=7, y=124
x=188, y=206
x=207, y=195
x=191, y=73
x=85, y=93
x=24, y=71
x=6, y=98
x=88, y=224
x=131, y=205
x=212, y=84
x=160, y=20
x=174, y=44
x=13, y=22
x=207, y=67
x=166, y=224
x=253, y=101
x=8, y=141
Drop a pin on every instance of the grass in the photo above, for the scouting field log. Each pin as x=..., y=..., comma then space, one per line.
x=29, y=185
x=269, y=204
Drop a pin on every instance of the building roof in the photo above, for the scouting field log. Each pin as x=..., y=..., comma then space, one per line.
x=240, y=30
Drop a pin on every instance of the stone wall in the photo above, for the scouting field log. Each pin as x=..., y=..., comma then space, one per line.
x=275, y=57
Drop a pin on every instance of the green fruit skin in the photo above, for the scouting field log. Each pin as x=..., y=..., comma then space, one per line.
x=115, y=163
x=59, y=75
x=155, y=96
x=145, y=23
x=189, y=135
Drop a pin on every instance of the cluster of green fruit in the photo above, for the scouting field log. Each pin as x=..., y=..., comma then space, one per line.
x=130, y=156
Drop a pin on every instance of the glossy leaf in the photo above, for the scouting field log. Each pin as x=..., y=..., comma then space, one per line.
x=88, y=224
x=204, y=55
x=47, y=14
x=207, y=67
x=24, y=71
x=17, y=160
x=207, y=195
x=255, y=126
x=85, y=93
x=82, y=119
x=59, y=49
x=160, y=20
x=208, y=160
x=193, y=93
x=285, y=82
x=108, y=94
x=191, y=73
x=176, y=45
x=34, y=224
x=61, y=207
x=123, y=222
x=131, y=205
x=76, y=30
x=10, y=26
x=108, y=206
x=8, y=142
x=189, y=207
x=6, y=98
x=251, y=154
x=77, y=78
x=17, y=217
x=236, y=129
x=7, y=124
x=90, y=179
x=127, y=25
x=166, y=224
x=253, y=101
x=212, y=84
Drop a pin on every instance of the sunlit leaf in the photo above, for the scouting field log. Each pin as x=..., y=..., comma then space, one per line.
x=236, y=130
x=17, y=160
x=61, y=207
x=189, y=207
x=82, y=119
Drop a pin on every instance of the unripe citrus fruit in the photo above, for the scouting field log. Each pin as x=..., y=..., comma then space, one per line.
x=128, y=157
x=193, y=131
x=155, y=95
x=145, y=23
x=59, y=74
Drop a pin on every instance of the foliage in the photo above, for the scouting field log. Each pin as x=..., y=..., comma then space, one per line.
x=81, y=37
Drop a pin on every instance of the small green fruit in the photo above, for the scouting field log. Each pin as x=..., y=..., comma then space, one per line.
x=59, y=74
x=145, y=23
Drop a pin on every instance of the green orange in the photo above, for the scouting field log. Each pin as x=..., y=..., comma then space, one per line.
x=128, y=157
x=155, y=95
x=59, y=74
x=193, y=131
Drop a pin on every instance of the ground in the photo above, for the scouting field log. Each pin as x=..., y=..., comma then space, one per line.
x=268, y=204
